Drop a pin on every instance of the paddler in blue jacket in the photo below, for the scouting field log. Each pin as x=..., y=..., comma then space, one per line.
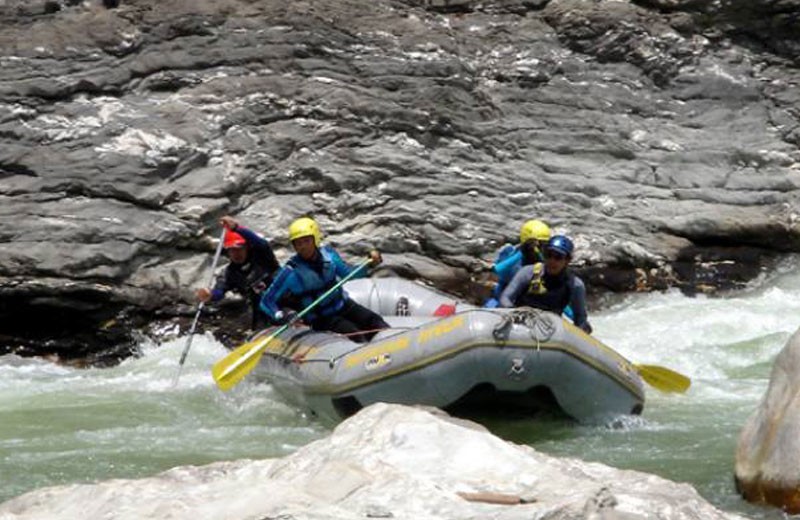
x=550, y=285
x=308, y=275
x=532, y=235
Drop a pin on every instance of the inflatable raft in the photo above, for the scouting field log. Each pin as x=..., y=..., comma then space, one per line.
x=444, y=353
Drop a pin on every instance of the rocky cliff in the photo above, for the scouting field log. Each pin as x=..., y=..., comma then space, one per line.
x=662, y=135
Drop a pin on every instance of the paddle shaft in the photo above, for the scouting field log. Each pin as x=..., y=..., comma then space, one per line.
x=200, y=306
x=256, y=349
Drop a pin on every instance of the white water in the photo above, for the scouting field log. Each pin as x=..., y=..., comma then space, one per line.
x=60, y=424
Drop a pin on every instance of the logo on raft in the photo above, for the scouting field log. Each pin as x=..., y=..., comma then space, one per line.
x=378, y=361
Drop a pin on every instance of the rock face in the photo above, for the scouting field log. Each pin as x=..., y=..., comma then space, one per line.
x=768, y=453
x=388, y=461
x=662, y=135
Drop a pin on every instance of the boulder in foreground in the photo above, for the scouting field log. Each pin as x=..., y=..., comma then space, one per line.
x=387, y=461
x=768, y=453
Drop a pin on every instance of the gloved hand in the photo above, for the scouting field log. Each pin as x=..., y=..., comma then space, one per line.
x=284, y=317
x=229, y=223
x=203, y=294
x=375, y=258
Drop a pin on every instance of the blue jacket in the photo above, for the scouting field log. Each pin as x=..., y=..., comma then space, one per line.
x=307, y=281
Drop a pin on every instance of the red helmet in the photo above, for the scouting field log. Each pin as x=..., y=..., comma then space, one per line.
x=233, y=239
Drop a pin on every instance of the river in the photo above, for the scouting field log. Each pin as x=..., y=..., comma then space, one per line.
x=60, y=424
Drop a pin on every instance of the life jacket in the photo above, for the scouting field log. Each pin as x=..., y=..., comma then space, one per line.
x=249, y=279
x=315, y=284
x=508, y=261
x=547, y=292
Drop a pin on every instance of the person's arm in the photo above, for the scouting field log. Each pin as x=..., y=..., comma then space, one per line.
x=342, y=268
x=257, y=242
x=506, y=261
x=284, y=282
x=516, y=286
x=220, y=287
x=578, y=303
x=216, y=293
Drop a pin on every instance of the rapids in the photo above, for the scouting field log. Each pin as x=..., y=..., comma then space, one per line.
x=60, y=424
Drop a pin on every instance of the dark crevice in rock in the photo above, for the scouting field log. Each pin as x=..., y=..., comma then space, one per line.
x=51, y=6
x=196, y=25
x=699, y=6
x=311, y=179
x=52, y=93
x=83, y=325
x=107, y=192
x=697, y=270
x=167, y=81
x=9, y=169
x=770, y=235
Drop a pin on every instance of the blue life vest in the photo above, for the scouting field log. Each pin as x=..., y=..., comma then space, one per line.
x=314, y=285
x=506, y=265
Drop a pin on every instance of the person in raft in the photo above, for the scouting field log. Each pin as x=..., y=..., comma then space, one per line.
x=550, y=285
x=532, y=236
x=250, y=270
x=313, y=270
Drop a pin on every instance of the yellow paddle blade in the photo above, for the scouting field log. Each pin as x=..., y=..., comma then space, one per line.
x=664, y=379
x=231, y=369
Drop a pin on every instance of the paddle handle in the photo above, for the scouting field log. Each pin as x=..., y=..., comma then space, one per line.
x=261, y=345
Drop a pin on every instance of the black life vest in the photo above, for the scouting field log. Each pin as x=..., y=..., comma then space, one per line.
x=548, y=292
x=250, y=278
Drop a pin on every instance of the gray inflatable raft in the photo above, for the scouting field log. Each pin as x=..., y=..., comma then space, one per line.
x=444, y=353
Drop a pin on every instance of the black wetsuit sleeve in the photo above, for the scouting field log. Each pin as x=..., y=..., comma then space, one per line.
x=260, y=244
x=516, y=286
x=221, y=286
x=578, y=303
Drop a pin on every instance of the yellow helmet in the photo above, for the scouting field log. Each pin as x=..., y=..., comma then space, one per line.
x=305, y=227
x=534, y=229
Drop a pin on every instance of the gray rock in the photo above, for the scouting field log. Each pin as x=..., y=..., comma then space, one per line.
x=768, y=452
x=387, y=461
x=125, y=133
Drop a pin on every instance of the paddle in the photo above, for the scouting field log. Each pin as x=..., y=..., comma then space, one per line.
x=231, y=369
x=199, y=309
x=664, y=379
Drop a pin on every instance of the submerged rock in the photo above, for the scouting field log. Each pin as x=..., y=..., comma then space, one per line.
x=388, y=461
x=768, y=452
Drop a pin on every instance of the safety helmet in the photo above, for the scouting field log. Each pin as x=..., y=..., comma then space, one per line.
x=233, y=239
x=534, y=229
x=305, y=227
x=560, y=244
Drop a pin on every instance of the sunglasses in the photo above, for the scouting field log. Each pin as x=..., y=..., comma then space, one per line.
x=554, y=255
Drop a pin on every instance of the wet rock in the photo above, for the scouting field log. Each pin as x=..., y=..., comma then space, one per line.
x=768, y=452
x=369, y=467
x=662, y=136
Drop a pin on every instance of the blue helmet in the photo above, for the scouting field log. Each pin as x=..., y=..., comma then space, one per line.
x=561, y=244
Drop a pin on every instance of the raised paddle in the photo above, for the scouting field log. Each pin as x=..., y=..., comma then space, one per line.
x=664, y=379
x=199, y=308
x=231, y=369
